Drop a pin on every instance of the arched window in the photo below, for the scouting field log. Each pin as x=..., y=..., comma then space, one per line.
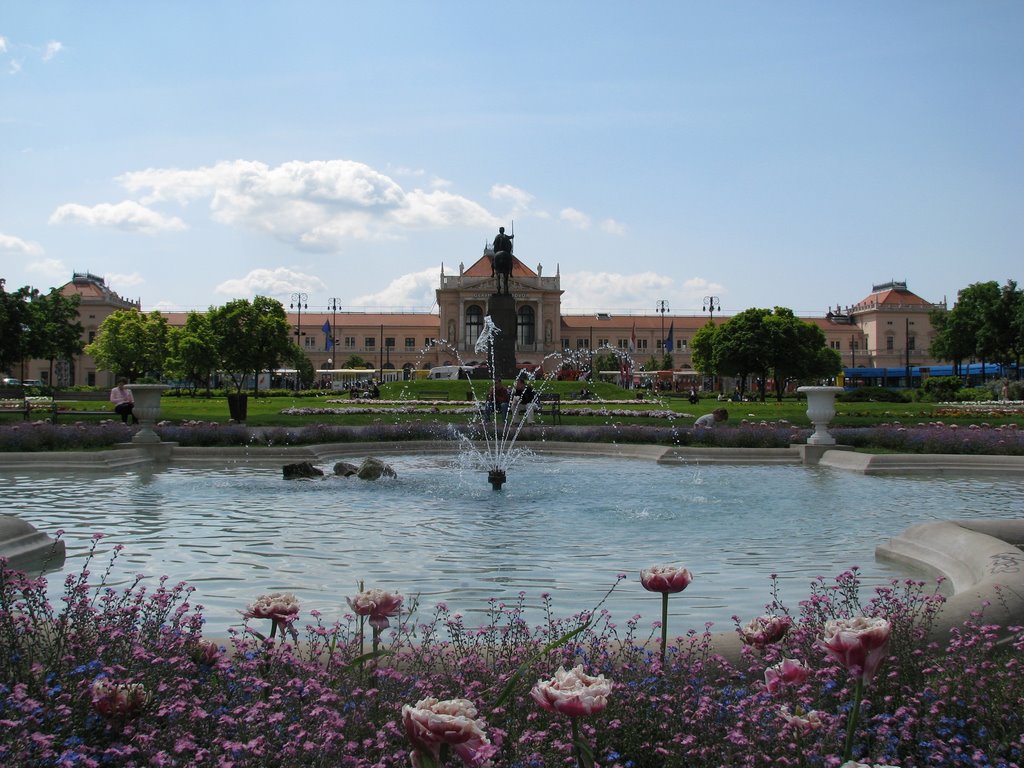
x=526, y=331
x=474, y=322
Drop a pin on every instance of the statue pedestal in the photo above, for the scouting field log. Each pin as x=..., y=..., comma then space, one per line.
x=147, y=410
x=502, y=310
x=821, y=407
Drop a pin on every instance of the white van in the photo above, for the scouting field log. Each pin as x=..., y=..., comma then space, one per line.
x=450, y=372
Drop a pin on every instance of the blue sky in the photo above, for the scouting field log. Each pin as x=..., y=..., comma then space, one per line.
x=768, y=154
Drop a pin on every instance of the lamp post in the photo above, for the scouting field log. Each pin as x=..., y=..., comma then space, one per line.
x=712, y=305
x=298, y=302
x=662, y=308
x=853, y=351
x=332, y=304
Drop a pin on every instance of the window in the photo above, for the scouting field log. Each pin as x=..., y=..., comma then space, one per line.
x=474, y=321
x=641, y=345
x=622, y=343
x=565, y=343
x=583, y=343
x=911, y=343
x=92, y=336
x=410, y=343
x=370, y=342
x=428, y=341
x=835, y=345
x=389, y=341
x=890, y=343
x=309, y=342
x=350, y=342
x=526, y=326
x=602, y=343
x=90, y=378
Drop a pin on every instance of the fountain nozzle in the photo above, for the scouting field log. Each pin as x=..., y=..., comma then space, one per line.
x=496, y=477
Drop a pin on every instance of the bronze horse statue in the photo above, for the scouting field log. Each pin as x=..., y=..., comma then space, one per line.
x=501, y=261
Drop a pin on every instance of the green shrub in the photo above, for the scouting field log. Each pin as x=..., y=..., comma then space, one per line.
x=940, y=389
x=873, y=395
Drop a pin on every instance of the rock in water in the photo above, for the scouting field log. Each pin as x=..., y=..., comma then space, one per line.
x=374, y=469
x=300, y=471
x=345, y=469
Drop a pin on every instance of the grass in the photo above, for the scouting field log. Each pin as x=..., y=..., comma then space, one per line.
x=266, y=411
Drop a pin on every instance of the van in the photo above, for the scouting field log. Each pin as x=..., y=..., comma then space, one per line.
x=450, y=372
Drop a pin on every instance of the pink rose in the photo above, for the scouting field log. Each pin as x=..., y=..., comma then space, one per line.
x=112, y=699
x=667, y=579
x=803, y=722
x=572, y=692
x=432, y=723
x=859, y=644
x=378, y=604
x=788, y=672
x=279, y=607
x=765, y=630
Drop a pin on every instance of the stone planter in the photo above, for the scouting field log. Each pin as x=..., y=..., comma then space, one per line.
x=147, y=410
x=821, y=408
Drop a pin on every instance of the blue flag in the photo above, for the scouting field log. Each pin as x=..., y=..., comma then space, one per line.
x=329, y=343
x=671, y=333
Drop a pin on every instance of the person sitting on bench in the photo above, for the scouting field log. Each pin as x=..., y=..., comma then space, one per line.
x=123, y=401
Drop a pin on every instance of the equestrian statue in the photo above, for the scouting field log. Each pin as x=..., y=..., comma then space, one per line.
x=501, y=261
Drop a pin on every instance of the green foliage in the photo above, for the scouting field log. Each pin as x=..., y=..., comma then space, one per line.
x=873, y=395
x=15, y=316
x=941, y=389
x=131, y=344
x=192, y=352
x=251, y=337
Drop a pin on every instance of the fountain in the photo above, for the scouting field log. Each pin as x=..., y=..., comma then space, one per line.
x=821, y=409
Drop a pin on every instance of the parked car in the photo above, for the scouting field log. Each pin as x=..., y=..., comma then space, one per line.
x=32, y=383
x=9, y=382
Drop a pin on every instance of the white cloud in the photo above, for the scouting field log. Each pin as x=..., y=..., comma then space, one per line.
x=316, y=205
x=49, y=269
x=3, y=44
x=126, y=215
x=413, y=290
x=17, y=246
x=519, y=198
x=613, y=227
x=276, y=283
x=608, y=291
x=52, y=49
x=14, y=67
x=576, y=218
x=120, y=282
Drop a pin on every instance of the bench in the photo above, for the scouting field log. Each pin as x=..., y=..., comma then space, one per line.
x=550, y=405
x=13, y=400
x=81, y=397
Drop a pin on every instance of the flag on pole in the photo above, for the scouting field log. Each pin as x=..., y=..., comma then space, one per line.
x=632, y=340
x=328, y=341
x=671, y=333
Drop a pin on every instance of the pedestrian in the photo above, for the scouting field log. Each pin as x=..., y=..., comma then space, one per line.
x=123, y=401
x=710, y=419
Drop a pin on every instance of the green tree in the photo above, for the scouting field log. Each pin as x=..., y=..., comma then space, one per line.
x=981, y=325
x=954, y=337
x=743, y=345
x=797, y=351
x=15, y=321
x=131, y=344
x=355, y=361
x=702, y=349
x=251, y=337
x=192, y=352
x=56, y=330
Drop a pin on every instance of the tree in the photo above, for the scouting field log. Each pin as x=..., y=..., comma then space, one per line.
x=797, y=350
x=15, y=320
x=702, y=349
x=192, y=352
x=251, y=337
x=56, y=331
x=982, y=324
x=742, y=346
x=131, y=344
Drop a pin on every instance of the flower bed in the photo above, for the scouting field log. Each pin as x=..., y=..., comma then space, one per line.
x=124, y=677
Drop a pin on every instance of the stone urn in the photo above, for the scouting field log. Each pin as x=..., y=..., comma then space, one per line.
x=147, y=410
x=821, y=408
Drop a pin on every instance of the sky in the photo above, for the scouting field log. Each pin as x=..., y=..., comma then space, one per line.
x=766, y=154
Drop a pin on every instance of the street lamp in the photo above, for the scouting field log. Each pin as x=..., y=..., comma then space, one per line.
x=712, y=305
x=298, y=302
x=332, y=304
x=662, y=308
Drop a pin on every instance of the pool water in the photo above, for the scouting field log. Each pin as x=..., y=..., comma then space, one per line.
x=563, y=526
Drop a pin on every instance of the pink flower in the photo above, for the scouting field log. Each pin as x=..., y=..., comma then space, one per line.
x=803, y=722
x=765, y=630
x=378, y=605
x=432, y=723
x=572, y=692
x=112, y=699
x=788, y=672
x=667, y=579
x=279, y=607
x=859, y=644
x=206, y=652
